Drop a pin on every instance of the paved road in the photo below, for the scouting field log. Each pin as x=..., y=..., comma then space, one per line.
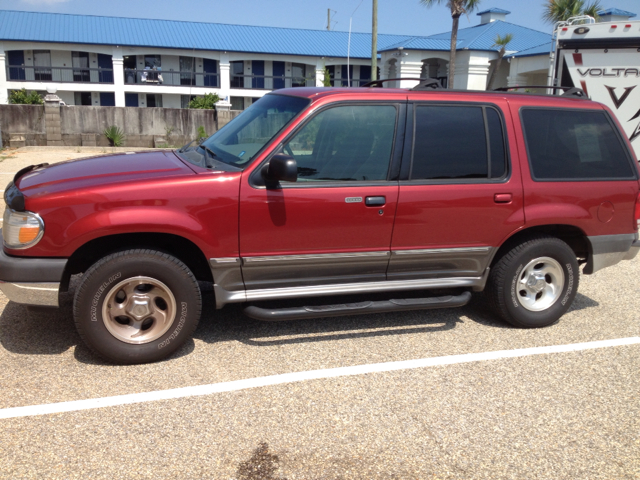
x=560, y=415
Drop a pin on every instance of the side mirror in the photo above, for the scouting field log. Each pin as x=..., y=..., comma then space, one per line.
x=281, y=167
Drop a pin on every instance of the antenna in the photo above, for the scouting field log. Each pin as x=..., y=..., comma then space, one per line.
x=349, y=44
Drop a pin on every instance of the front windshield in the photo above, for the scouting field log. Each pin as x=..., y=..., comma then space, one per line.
x=240, y=140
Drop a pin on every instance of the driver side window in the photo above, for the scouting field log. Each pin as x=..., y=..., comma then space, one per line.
x=345, y=143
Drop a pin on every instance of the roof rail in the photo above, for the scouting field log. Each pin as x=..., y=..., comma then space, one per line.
x=424, y=82
x=568, y=91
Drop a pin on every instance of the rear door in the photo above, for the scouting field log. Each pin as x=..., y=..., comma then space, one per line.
x=334, y=224
x=460, y=190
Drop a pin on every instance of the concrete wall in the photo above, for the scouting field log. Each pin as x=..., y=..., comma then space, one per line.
x=27, y=119
x=143, y=127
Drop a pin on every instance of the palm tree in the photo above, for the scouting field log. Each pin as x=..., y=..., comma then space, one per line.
x=501, y=42
x=562, y=10
x=458, y=7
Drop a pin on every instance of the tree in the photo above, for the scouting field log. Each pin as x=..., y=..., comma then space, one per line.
x=22, y=97
x=207, y=102
x=501, y=42
x=562, y=10
x=458, y=7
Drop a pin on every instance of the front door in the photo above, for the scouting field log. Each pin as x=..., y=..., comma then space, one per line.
x=334, y=224
x=105, y=64
x=278, y=75
x=130, y=99
x=210, y=69
x=257, y=67
x=16, y=64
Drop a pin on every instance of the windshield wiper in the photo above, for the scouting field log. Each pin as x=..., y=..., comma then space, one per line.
x=211, y=152
x=185, y=147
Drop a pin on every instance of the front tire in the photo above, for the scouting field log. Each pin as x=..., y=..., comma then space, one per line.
x=534, y=283
x=137, y=306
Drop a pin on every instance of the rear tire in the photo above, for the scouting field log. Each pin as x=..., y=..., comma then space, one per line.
x=137, y=306
x=534, y=283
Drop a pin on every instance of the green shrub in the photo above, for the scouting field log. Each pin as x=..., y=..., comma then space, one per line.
x=207, y=102
x=115, y=136
x=202, y=134
x=326, y=81
x=25, y=98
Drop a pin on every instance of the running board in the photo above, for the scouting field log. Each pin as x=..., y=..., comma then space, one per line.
x=359, y=308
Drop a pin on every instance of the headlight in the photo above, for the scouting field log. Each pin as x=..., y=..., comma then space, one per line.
x=21, y=229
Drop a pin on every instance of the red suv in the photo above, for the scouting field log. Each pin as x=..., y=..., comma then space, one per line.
x=316, y=192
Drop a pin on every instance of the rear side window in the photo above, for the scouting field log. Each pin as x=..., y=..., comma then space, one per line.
x=458, y=142
x=574, y=145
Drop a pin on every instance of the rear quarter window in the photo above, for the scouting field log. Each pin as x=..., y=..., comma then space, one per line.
x=576, y=145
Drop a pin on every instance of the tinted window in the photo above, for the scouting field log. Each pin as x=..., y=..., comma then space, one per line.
x=496, y=140
x=574, y=145
x=450, y=143
x=345, y=143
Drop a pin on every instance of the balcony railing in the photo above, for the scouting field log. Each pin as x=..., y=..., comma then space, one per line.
x=170, y=77
x=22, y=73
x=270, y=82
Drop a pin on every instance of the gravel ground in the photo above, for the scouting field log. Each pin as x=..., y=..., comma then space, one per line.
x=561, y=416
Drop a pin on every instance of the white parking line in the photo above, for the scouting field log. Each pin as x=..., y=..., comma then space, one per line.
x=236, y=385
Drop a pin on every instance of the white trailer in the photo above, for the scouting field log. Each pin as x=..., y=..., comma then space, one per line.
x=603, y=59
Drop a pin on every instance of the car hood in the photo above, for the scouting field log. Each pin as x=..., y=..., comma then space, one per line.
x=102, y=170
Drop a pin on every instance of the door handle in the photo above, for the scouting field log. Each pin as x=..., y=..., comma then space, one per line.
x=375, y=201
x=502, y=198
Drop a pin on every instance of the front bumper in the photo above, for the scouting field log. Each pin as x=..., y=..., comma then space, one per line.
x=31, y=281
x=42, y=294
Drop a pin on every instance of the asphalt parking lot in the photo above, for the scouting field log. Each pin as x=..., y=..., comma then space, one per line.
x=555, y=415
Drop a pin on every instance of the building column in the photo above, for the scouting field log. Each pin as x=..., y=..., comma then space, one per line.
x=319, y=74
x=4, y=94
x=247, y=64
x=118, y=77
x=472, y=70
x=225, y=79
x=409, y=70
x=52, y=119
x=385, y=72
x=223, y=114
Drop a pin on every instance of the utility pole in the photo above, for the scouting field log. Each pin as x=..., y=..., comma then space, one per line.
x=328, y=19
x=374, y=42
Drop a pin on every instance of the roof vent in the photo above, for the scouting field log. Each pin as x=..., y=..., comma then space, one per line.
x=493, y=14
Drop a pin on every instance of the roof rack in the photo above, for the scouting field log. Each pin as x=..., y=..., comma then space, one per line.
x=425, y=83
x=568, y=91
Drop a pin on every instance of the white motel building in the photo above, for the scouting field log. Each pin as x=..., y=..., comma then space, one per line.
x=114, y=61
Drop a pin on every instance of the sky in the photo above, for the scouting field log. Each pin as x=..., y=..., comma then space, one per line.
x=402, y=17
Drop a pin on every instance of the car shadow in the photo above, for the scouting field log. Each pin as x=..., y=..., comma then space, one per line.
x=37, y=331
x=50, y=331
x=479, y=311
x=230, y=324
